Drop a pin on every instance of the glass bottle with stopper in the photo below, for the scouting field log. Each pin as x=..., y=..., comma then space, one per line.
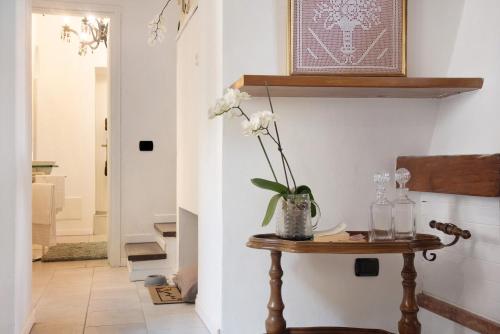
x=381, y=225
x=404, y=208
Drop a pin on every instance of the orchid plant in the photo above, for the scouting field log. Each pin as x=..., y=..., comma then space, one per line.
x=262, y=125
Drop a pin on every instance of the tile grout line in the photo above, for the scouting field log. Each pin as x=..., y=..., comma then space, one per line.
x=88, y=301
x=44, y=288
x=142, y=306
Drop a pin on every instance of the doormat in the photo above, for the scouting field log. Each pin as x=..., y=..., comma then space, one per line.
x=165, y=294
x=77, y=252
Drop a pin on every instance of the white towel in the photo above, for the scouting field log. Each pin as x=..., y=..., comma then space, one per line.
x=60, y=183
x=43, y=203
x=43, y=214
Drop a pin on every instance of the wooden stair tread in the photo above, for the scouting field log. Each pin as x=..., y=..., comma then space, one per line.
x=144, y=251
x=167, y=230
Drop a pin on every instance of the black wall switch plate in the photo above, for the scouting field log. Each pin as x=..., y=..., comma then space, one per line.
x=366, y=267
x=146, y=146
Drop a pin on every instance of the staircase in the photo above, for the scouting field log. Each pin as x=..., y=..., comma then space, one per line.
x=153, y=258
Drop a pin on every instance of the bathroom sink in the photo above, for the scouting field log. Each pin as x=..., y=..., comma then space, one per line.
x=42, y=167
x=43, y=163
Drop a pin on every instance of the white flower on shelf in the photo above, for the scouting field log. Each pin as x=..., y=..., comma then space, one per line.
x=258, y=124
x=228, y=103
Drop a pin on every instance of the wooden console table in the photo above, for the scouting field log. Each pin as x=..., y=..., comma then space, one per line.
x=409, y=324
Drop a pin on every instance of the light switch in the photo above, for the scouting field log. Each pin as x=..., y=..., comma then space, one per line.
x=366, y=267
x=146, y=146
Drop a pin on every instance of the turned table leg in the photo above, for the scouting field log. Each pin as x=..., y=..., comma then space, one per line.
x=409, y=322
x=275, y=323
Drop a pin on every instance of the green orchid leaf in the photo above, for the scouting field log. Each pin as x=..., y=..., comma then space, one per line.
x=270, y=185
x=304, y=190
x=307, y=190
x=271, y=208
x=314, y=209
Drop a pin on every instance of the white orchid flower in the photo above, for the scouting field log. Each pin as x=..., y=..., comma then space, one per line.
x=228, y=104
x=218, y=109
x=266, y=118
x=258, y=123
x=234, y=97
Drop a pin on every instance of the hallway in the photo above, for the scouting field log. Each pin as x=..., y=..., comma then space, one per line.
x=92, y=298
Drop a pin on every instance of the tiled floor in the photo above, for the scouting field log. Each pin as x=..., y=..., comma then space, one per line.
x=92, y=298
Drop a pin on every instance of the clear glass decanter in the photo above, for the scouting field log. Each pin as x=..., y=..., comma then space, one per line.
x=381, y=226
x=403, y=208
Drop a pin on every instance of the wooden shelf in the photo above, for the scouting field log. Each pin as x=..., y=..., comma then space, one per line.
x=334, y=330
x=271, y=242
x=472, y=175
x=355, y=87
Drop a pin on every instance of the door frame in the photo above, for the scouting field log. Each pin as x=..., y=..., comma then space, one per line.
x=114, y=126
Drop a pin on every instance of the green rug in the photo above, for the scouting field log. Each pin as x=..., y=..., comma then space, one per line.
x=77, y=252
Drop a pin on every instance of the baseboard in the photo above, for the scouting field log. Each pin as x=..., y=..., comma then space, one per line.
x=73, y=231
x=30, y=322
x=212, y=328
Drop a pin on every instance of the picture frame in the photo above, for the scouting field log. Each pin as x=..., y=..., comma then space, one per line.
x=346, y=38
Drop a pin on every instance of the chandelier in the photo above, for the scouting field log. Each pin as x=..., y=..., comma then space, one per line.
x=92, y=33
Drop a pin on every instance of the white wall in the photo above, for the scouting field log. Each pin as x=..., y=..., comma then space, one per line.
x=430, y=49
x=335, y=146
x=147, y=107
x=188, y=84
x=15, y=193
x=199, y=183
x=209, y=300
x=468, y=274
x=148, y=113
x=64, y=116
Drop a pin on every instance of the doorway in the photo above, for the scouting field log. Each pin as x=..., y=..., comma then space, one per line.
x=114, y=117
x=69, y=109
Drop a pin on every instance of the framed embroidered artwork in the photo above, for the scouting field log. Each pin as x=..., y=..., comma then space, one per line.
x=348, y=37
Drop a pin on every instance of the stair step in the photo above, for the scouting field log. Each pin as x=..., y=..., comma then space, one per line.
x=167, y=230
x=144, y=251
